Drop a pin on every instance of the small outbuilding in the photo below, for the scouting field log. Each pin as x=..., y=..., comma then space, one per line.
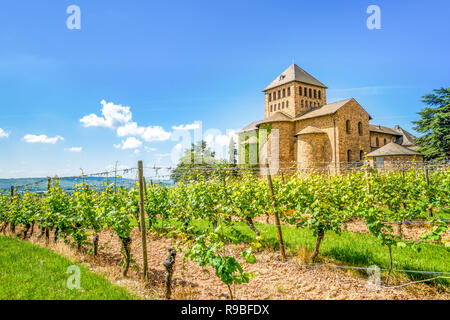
x=391, y=154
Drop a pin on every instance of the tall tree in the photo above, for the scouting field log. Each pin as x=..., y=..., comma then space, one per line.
x=435, y=124
x=196, y=161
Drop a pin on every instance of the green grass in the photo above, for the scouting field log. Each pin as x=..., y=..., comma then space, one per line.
x=29, y=272
x=348, y=248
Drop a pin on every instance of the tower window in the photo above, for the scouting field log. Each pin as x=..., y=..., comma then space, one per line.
x=360, y=128
x=349, y=155
x=315, y=93
x=320, y=94
x=347, y=126
x=289, y=91
x=310, y=93
x=299, y=91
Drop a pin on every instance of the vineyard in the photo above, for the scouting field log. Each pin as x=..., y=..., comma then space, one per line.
x=207, y=213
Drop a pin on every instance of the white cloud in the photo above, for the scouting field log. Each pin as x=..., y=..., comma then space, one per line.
x=150, y=148
x=113, y=116
x=137, y=151
x=155, y=134
x=3, y=134
x=74, y=149
x=120, y=118
x=130, y=129
x=220, y=142
x=131, y=143
x=31, y=138
x=192, y=126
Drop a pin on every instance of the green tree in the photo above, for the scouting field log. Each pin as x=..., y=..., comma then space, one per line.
x=435, y=124
x=198, y=161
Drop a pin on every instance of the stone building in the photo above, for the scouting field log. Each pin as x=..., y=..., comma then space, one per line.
x=392, y=155
x=300, y=128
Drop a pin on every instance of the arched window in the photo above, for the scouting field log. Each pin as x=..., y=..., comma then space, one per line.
x=315, y=93
x=377, y=143
x=282, y=105
x=289, y=91
x=284, y=93
x=301, y=103
x=310, y=103
x=279, y=106
x=271, y=109
x=347, y=126
x=360, y=128
x=314, y=104
x=320, y=94
x=287, y=104
x=349, y=155
x=270, y=97
x=361, y=154
x=299, y=91
x=279, y=94
x=305, y=92
x=310, y=93
x=384, y=141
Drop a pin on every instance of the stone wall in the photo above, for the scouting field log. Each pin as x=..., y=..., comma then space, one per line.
x=313, y=150
x=281, y=139
x=381, y=139
x=293, y=102
x=396, y=161
x=353, y=140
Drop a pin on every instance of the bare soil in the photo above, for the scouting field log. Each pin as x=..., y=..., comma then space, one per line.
x=274, y=280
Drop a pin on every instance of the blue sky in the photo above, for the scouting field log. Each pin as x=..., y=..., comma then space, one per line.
x=174, y=63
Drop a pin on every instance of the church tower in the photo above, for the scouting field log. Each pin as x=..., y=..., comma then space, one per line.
x=294, y=92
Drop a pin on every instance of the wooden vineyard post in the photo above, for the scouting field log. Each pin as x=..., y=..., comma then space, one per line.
x=277, y=218
x=142, y=217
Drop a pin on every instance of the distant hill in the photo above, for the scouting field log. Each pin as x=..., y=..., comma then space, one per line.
x=68, y=184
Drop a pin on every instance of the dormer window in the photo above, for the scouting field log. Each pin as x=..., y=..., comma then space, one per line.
x=282, y=77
